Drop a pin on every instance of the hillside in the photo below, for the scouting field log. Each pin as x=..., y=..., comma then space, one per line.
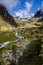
x=4, y=26
x=38, y=18
x=6, y=20
x=23, y=45
x=34, y=21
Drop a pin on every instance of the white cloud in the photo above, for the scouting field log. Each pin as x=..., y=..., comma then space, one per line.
x=9, y=3
x=32, y=14
x=38, y=9
x=24, y=12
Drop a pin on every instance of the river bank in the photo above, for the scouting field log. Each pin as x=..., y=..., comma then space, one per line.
x=7, y=43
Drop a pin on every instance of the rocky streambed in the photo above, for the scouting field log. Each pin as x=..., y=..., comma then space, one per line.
x=13, y=54
x=16, y=51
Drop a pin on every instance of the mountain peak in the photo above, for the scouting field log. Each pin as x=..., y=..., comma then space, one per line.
x=39, y=13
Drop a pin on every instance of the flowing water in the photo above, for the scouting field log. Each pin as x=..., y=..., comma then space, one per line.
x=7, y=43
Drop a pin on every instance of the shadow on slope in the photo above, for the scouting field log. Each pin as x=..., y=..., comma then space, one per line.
x=6, y=16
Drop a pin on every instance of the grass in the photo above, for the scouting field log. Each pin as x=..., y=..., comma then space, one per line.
x=35, y=29
x=28, y=34
x=7, y=36
x=4, y=25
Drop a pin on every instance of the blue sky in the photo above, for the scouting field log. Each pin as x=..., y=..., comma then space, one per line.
x=22, y=8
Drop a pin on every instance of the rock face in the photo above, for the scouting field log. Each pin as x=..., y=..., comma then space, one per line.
x=39, y=14
x=6, y=16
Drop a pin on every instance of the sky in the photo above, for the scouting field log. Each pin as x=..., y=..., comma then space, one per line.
x=22, y=8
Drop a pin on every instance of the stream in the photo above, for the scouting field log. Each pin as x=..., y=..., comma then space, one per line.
x=7, y=43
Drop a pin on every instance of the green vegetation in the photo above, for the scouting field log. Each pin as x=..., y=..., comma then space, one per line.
x=31, y=54
x=35, y=48
x=31, y=46
x=7, y=36
x=27, y=51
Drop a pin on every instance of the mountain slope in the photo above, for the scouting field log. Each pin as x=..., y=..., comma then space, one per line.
x=4, y=26
x=38, y=17
x=39, y=14
x=6, y=20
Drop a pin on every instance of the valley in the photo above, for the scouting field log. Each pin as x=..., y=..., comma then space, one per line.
x=21, y=39
x=29, y=34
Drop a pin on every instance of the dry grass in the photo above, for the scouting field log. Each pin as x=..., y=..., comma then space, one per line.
x=4, y=26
